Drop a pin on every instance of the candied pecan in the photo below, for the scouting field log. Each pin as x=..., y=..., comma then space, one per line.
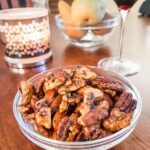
x=73, y=98
x=90, y=94
x=31, y=118
x=72, y=135
x=69, y=72
x=88, y=89
x=57, y=118
x=39, y=89
x=117, y=120
x=95, y=132
x=75, y=85
x=93, y=116
x=109, y=100
x=69, y=76
x=55, y=103
x=43, y=117
x=54, y=136
x=89, y=112
x=78, y=109
x=26, y=91
x=54, y=80
x=85, y=73
x=64, y=104
x=112, y=93
x=125, y=102
x=49, y=96
x=82, y=109
x=68, y=81
x=124, y=97
x=41, y=130
x=104, y=104
x=88, y=131
x=74, y=128
x=108, y=85
x=105, y=97
x=80, y=137
x=40, y=104
x=25, y=111
x=131, y=107
x=102, y=133
x=63, y=129
x=43, y=113
x=33, y=101
x=68, y=128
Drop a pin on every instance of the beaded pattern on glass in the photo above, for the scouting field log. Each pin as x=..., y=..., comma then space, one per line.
x=26, y=40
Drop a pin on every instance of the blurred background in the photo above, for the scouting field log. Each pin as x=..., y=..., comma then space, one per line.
x=5, y=4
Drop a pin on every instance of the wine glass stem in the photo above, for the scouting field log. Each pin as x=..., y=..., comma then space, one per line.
x=124, y=14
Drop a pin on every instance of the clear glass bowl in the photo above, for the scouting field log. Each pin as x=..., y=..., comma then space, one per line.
x=89, y=34
x=100, y=144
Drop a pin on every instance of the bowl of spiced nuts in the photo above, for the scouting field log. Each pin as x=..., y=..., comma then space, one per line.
x=86, y=23
x=77, y=107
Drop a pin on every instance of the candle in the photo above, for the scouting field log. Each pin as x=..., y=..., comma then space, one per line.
x=26, y=32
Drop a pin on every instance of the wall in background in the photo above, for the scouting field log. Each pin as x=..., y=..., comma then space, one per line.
x=110, y=5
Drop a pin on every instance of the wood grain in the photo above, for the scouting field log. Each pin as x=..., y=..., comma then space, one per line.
x=137, y=47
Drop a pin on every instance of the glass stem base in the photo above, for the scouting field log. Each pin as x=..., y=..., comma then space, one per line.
x=124, y=67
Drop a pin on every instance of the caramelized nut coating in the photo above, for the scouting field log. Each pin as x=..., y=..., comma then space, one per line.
x=93, y=116
x=108, y=85
x=54, y=80
x=76, y=105
x=117, y=120
x=43, y=118
x=56, y=103
x=33, y=101
x=75, y=85
x=94, y=132
x=68, y=128
x=49, y=96
x=27, y=90
x=125, y=102
x=42, y=130
x=57, y=118
x=63, y=129
x=39, y=88
x=85, y=73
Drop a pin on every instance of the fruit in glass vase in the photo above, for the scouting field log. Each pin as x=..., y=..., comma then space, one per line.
x=80, y=14
x=71, y=28
x=104, y=23
x=88, y=10
x=64, y=10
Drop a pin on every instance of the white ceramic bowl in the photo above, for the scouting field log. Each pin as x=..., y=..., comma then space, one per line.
x=100, y=144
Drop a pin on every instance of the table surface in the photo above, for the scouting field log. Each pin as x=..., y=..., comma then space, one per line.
x=136, y=46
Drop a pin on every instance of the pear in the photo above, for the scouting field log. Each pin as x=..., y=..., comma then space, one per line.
x=104, y=31
x=65, y=13
x=64, y=10
x=88, y=10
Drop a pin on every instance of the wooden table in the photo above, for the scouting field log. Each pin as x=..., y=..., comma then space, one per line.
x=137, y=47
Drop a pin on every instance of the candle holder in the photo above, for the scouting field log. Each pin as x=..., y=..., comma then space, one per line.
x=26, y=35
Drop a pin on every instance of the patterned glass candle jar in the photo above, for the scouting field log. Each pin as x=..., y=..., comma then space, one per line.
x=26, y=34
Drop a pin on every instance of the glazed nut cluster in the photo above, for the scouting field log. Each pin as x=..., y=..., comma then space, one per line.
x=76, y=105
